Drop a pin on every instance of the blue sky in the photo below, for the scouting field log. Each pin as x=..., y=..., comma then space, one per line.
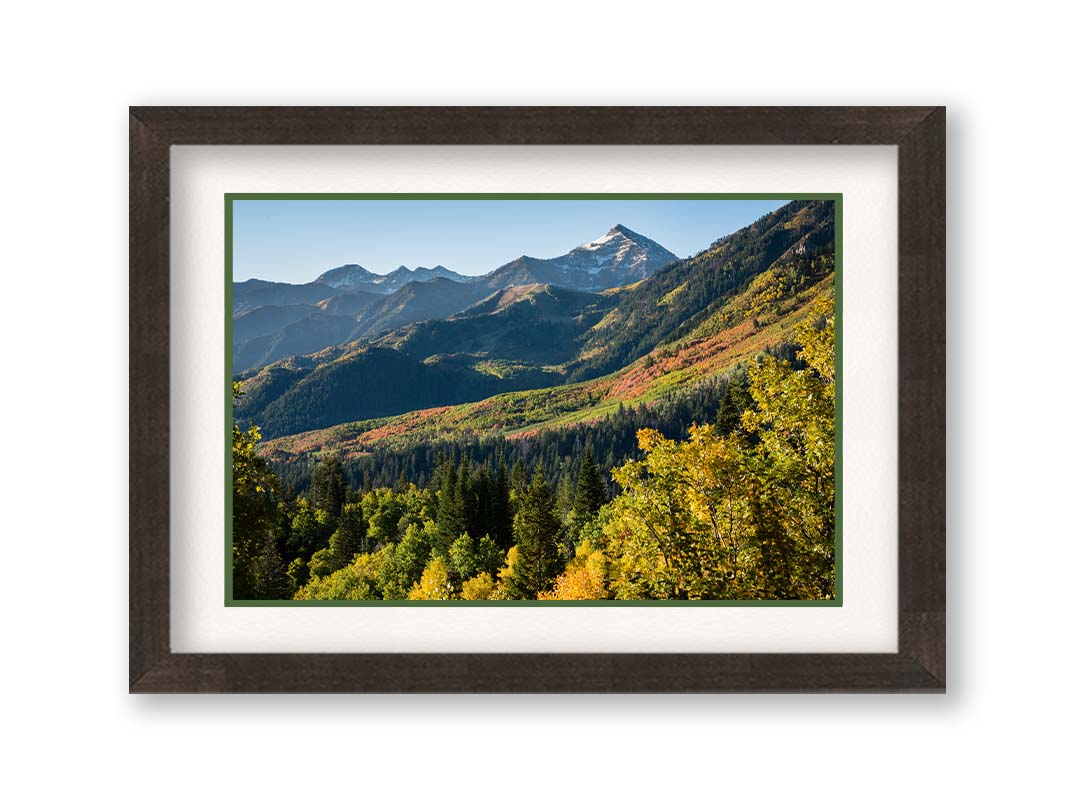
x=297, y=240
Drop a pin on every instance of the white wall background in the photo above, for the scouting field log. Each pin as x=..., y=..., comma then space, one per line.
x=69, y=72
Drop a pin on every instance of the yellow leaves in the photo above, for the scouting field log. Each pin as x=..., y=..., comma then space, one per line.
x=795, y=408
x=576, y=585
x=355, y=581
x=816, y=338
x=480, y=587
x=608, y=319
x=508, y=570
x=586, y=554
x=648, y=439
x=730, y=517
x=434, y=584
x=583, y=579
x=673, y=294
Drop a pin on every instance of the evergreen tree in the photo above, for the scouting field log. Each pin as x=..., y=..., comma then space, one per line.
x=537, y=530
x=482, y=487
x=464, y=496
x=520, y=476
x=502, y=516
x=564, y=495
x=351, y=535
x=450, y=517
x=328, y=487
x=272, y=580
x=732, y=406
x=349, y=539
x=590, y=493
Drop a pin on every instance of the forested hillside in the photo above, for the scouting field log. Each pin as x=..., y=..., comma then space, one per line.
x=540, y=335
x=742, y=508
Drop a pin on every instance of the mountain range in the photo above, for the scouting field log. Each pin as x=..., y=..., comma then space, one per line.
x=353, y=276
x=560, y=341
x=275, y=320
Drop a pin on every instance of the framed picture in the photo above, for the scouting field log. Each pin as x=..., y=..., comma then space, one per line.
x=537, y=399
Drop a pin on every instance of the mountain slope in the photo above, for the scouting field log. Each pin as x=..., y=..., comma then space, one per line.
x=537, y=324
x=437, y=298
x=369, y=383
x=757, y=320
x=542, y=336
x=679, y=297
x=254, y=292
x=308, y=334
x=349, y=303
x=266, y=334
x=265, y=320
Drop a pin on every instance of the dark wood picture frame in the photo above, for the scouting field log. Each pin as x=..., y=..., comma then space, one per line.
x=919, y=663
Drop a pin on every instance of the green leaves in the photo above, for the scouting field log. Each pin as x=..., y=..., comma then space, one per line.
x=722, y=516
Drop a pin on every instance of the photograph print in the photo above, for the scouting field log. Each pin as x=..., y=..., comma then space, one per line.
x=508, y=399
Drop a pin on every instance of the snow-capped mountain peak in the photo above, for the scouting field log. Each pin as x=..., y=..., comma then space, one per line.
x=346, y=276
x=620, y=250
x=355, y=277
x=617, y=258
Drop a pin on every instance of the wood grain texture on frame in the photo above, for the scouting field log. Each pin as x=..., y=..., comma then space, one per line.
x=919, y=664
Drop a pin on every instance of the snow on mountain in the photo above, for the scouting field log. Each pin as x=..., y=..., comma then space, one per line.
x=346, y=276
x=617, y=258
x=620, y=250
x=353, y=276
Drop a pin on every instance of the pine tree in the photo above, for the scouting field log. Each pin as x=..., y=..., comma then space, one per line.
x=464, y=496
x=519, y=477
x=450, y=516
x=272, y=580
x=328, y=487
x=349, y=538
x=590, y=493
x=735, y=400
x=537, y=530
x=502, y=515
x=564, y=495
x=483, y=487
